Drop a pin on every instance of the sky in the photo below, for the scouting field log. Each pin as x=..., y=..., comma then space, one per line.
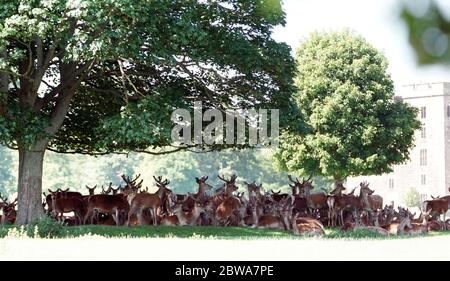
x=377, y=20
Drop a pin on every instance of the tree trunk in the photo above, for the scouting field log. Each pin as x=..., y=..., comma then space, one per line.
x=30, y=186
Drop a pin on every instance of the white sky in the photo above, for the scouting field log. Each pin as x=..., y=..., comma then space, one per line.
x=377, y=20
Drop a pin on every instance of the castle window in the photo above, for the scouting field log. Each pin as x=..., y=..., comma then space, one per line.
x=423, y=132
x=423, y=197
x=423, y=180
x=423, y=157
x=391, y=183
x=423, y=112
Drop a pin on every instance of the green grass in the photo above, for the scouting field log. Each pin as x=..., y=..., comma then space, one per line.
x=51, y=229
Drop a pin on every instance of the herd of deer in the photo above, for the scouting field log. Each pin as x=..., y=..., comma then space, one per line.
x=301, y=211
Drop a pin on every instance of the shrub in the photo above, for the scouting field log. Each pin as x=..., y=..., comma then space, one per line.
x=46, y=228
x=412, y=198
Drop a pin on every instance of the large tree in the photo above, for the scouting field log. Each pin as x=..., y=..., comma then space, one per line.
x=101, y=76
x=354, y=125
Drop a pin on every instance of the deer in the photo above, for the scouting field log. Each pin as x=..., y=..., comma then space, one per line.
x=357, y=225
x=306, y=226
x=316, y=201
x=227, y=209
x=189, y=218
x=149, y=201
x=130, y=184
x=437, y=207
x=202, y=187
x=300, y=205
x=108, y=190
x=91, y=190
x=281, y=220
x=116, y=205
x=341, y=203
x=58, y=193
x=393, y=227
x=8, y=211
x=254, y=191
x=409, y=228
x=61, y=204
x=230, y=185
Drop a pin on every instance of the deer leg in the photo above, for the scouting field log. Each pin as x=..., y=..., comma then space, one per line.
x=445, y=226
x=88, y=214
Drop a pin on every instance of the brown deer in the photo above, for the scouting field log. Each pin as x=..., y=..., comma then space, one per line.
x=315, y=201
x=230, y=185
x=131, y=185
x=188, y=218
x=91, y=190
x=339, y=204
x=280, y=220
x=254, y=191
x=149, y=201
x=227, y=209
x=306, y=226
x=61, y=203
x=202, y=187
x=436, y=207
x=9, y=212
x=116, y=205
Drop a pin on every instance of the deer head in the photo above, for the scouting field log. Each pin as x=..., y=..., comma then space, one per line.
x=130, y=184
x=230, y=185
x=91, y=190
x=253, y=188
x=296, y=186
x=162, y=186
x=202, y=185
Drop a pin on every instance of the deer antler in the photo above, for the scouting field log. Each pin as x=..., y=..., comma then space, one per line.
x=136, y=178
x=3, y=199
x=222, y=178
x=233, y=178
x=294, y=181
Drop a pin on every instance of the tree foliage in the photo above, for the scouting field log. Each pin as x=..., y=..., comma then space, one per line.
x=354, y=126
x=412, y=198
x=429, y=30
x=105, y=75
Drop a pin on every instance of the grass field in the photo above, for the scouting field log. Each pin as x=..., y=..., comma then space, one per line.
x=49, y=229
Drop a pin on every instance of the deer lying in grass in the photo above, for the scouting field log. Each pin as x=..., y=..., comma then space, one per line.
x=281, y=219
x=357, y=225
x=410, y=228
x=306, y=226
x=191, y=217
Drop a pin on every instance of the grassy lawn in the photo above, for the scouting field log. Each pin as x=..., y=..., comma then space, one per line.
x=54, y=230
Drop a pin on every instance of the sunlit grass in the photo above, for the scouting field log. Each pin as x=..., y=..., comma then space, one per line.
x=53, y=230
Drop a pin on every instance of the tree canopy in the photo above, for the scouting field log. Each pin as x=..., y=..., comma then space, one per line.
x=354, y=126
x=119, y=68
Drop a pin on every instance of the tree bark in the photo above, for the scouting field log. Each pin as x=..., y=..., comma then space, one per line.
x=30, y=186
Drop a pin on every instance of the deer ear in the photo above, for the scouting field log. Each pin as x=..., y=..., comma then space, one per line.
x=197, y=180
